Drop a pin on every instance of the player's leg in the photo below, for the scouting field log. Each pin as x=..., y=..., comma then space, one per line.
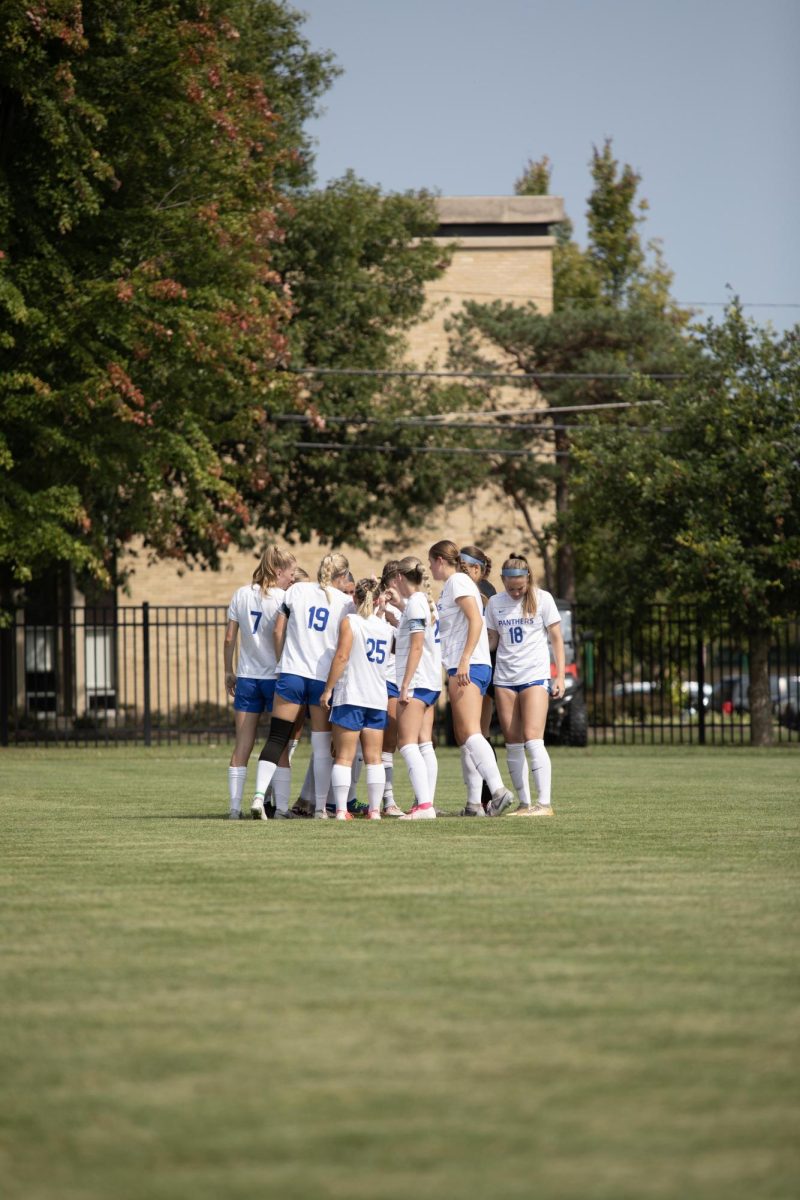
x=534, y=703
x=409, y=726
x=466, y=703
x=390, y=809
x=246, y=726
x=372, y=744
x=345, y=742
x=509, y=714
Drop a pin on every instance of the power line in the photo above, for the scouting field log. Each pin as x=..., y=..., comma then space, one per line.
x=415, y=374
x=449, y=450
x=450, y=421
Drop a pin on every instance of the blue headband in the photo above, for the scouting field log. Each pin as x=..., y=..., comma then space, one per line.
x=476, y=562
x=514, y=573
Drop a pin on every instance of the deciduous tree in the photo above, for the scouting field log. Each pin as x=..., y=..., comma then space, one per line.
x=613, y=315
x=696, y=495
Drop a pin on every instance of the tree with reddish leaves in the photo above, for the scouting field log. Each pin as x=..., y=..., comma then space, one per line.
x=143, y=159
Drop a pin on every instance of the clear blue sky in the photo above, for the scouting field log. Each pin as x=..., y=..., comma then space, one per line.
x=702, y=97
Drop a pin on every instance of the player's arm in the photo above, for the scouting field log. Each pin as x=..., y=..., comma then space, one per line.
x=416, y=644
x=557, y=642
x=340, y=660
x=279, y=632
x=228, y=647
x=494, y=638
x=469, y=607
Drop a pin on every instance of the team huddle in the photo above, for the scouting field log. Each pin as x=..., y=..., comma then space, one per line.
x=365, y=662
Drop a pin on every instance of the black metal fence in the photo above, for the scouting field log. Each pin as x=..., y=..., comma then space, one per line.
x=668, y=680
x=153, y=674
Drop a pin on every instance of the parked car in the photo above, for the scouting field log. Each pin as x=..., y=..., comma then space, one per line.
x=634, y=687
x=690, y=694
x=567, y=719
x=731, y=695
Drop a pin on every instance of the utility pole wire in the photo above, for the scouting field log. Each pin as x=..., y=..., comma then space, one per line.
x=512, y=375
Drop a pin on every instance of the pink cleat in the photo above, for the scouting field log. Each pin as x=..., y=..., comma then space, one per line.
x=420, y=812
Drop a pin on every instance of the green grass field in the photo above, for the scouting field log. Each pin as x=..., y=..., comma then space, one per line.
x=602, y=1006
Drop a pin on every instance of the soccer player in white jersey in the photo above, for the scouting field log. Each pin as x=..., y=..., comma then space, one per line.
x=465, y=656
x=355, y=690
x=306, y=634
x=418, y=675
x=389, y=607
x=251, y=620
x=523, y=622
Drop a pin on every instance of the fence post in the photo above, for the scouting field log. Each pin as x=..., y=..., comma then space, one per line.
x=701, y=689
x=148, y=730
x=7, y=641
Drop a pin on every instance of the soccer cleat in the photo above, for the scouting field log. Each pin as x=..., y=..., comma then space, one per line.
x=234, y=815
x=257, y=809
x=344, y=816
x=420, y=812
x=372, y=816
x=284, y=816
x=502, y=799
x=303, y=808
x=321, y=815
x=391, y=810
x=532, y=810
x=473, y=810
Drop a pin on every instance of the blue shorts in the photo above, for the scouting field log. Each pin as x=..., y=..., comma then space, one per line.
x=353, y=716
x=296, y=689
x=392, y=690
x=522, y=687
x=426, y=695
x=480, y=676
x=254, y=695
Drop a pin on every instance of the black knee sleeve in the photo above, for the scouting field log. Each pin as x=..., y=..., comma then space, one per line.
x=280, y=732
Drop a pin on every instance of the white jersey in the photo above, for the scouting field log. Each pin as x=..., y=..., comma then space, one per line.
x=254, y=612
x=523, y=651
x=312, y=629
x=454, y=626
x=416, y=618
x=390, y=657
x=363, y=681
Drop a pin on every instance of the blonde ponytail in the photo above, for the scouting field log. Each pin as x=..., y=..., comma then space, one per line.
x=272, y=560
x=331, y=567
x=365, y=595
x=416, y=572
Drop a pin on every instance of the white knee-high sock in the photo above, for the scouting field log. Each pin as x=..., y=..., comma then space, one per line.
x=388, y=765
x=282, y=788
x=376, y=782
x=236, y=781
x=541, y=768
x=264, y=772
x=432, y=766
x=417, y=773
x=485, y=761
x=358, y=763
x=469, y=773
x=518, y=770
x=340, y=784
x=307, y=790
x=323, y=765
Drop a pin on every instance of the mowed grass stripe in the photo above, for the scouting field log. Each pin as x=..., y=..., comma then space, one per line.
x=600, y=1005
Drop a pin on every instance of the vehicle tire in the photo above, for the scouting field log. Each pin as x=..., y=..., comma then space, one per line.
x=575, y=727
